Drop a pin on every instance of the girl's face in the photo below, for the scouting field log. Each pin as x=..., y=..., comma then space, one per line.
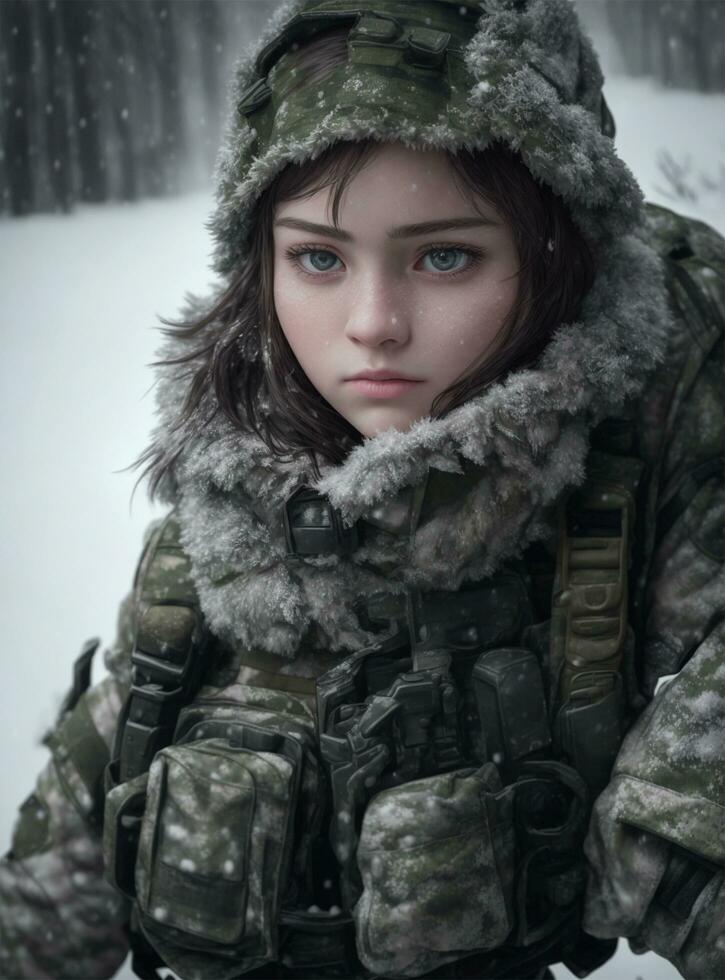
x=415, y=282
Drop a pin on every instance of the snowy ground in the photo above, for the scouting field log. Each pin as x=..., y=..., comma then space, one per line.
x=78, y=300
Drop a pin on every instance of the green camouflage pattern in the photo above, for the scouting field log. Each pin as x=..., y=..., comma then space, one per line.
x=436, y=857
x=215, y=833
x=58, y=915
x=668, y=784
x=275, y=711
x=403, y=90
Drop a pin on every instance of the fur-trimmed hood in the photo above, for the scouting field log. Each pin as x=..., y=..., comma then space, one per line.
x=534, y=84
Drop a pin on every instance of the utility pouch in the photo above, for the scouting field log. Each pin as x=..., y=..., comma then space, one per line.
x=215, y=846
x=589, y=732
x=511, y=707
x=436, y=856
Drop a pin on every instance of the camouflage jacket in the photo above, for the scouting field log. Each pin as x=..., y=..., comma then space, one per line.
x=665, y=801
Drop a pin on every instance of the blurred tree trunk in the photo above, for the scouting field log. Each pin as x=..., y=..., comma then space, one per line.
x=16, y=35
x=710, y=45
x=124, y=34
x=4, y=106
x=80, y=24
x=173, y=140
x=680, y=42
x=96, y=96
x=209, y=27
x=58, y=159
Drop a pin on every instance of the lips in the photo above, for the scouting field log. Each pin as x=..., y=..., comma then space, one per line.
x=376, y=388
x=381, y=375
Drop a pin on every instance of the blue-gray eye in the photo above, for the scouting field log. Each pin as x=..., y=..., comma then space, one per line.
x=320, y=260
x=446, y=259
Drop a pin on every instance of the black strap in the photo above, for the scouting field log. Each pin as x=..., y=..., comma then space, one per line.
x=684, y=879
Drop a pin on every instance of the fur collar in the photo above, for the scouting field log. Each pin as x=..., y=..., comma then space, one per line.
x=526, y=440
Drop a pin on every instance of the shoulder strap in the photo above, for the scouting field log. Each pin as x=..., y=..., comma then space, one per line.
x=167, y=654
x=589, y=602
x=589, y=624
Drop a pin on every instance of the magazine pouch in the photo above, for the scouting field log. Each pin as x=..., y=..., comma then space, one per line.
x=436, y=856
x=215, y=847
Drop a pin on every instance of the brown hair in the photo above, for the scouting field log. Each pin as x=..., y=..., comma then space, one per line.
x=238, y=349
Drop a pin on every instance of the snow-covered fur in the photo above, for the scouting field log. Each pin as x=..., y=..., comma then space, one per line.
x=535, y=85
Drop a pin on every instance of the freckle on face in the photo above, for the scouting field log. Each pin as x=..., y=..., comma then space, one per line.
x=384, y=306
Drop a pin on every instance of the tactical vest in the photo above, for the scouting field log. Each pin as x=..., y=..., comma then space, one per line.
x=468, y=679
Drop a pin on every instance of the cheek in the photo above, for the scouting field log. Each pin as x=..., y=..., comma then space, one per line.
x=307, y=315
x=285, y=300
x=294, y=310
x=466, y=323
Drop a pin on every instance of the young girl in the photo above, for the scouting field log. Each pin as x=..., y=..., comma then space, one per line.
x=422, y=674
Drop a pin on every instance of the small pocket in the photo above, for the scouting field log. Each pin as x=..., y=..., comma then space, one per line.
x=214, y=849
x=436, y=857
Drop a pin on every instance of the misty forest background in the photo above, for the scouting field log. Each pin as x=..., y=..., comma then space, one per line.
x=117, y=100
x=123, y=100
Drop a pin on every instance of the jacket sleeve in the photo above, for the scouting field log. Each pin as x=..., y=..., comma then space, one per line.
x=656, y=844
x=58, y=916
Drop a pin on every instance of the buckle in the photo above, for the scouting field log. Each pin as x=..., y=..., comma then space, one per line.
x=151, y=717
x=551, y=806
x=312, y=526
x=164, y=650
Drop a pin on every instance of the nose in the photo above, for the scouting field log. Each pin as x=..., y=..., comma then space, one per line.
x=378, y=314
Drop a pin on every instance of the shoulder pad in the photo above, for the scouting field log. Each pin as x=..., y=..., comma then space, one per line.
x=694, y=258
x=675, y=236
x=164, y=572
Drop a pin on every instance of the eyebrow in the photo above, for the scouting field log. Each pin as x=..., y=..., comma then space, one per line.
x=402, y=231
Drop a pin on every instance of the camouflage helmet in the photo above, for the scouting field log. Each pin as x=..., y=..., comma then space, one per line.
x=441, y=74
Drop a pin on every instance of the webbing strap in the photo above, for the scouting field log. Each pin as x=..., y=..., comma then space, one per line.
x=590, y=596
x=167, y=654
x=589, y=624
x=685, y=877
x=258, y=677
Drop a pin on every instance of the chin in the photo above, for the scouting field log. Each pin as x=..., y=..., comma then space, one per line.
x=370, y=429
